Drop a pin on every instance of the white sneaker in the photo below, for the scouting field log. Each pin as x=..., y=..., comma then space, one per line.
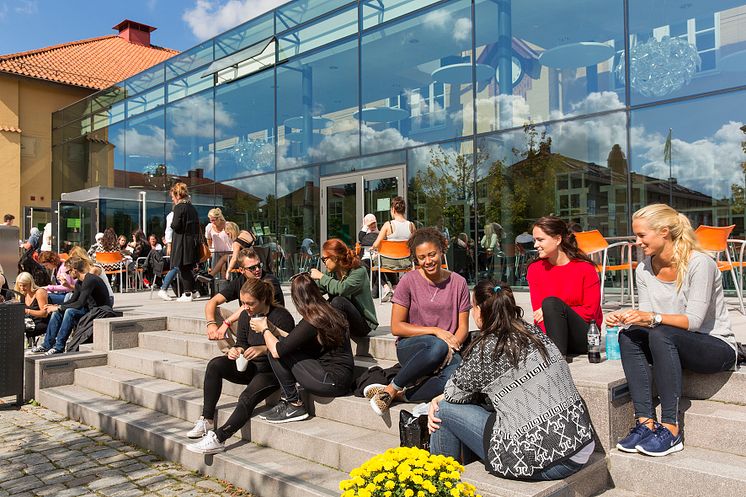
x=208, y=445
x=201, y=427
x=39, y=349
x=164, y=295
x=185, y=298
x=196, y=295
x=52, y=352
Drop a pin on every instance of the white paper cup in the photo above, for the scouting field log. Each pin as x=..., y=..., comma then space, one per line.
x=242, y=363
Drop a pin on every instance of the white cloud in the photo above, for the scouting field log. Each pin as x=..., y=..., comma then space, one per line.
x=208, y=18
x=194, y=117
x=27, y=7
x=462, y=29
x=436, y=19
x=148, y=144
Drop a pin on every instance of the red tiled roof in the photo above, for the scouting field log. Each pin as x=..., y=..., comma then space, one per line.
x=12, y=129
x=95, y=63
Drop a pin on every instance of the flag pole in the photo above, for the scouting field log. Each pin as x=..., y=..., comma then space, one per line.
x=667, y=157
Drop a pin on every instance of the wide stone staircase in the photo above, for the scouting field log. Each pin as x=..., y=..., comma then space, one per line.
x=141, y=381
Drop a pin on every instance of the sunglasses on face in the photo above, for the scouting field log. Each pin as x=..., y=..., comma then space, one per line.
x=252, y=268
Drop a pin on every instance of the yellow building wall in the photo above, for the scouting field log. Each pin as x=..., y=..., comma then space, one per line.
x=26, y=158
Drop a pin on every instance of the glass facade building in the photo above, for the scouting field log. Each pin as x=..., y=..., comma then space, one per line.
x=300, y=121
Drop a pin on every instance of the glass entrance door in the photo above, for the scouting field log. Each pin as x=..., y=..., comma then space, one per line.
x=346, y=198
x=74, y=223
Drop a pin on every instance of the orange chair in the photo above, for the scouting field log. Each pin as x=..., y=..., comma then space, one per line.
x=113, y=263
x=389, y=248
x=714, y=240
x=593, y=243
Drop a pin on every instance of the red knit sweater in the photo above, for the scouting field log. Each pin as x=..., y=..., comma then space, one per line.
x=576, y=283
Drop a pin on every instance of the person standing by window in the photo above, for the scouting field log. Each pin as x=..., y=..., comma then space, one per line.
x=186, y=239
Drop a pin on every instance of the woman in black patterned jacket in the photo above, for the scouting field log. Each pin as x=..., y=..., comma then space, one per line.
x=512, y=402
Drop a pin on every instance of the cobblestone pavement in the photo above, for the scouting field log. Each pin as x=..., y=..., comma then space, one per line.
x=45, y=454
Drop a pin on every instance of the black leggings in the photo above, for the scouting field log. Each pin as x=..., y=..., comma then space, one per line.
x=187, y=278
x=568, y=331
x=659, y=354
x=358, y=324
x=308, y=371
x=261, y=384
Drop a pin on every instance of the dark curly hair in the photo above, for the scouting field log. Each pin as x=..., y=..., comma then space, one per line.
x=427, y=235
x=399, y=205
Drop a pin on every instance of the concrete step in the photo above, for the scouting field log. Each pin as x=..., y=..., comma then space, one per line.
x=729, y=387
x=191, y=370
x=247, y=465
x=714, y=425
x=693, y=472
x=321, y=440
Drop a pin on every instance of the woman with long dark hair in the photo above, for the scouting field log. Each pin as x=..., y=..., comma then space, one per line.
x=316, y=353
x=430, y=318
x=538, y=427
x=348, y=286
x=564, y=286
x=257, y=297
x=682, y=323
x=186, y=239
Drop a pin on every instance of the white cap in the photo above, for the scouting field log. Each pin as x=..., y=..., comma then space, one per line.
x=99, y=236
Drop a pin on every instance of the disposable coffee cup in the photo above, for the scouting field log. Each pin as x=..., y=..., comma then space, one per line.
x=242, y=363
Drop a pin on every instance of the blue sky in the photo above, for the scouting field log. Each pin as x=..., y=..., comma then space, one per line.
x=29, y=24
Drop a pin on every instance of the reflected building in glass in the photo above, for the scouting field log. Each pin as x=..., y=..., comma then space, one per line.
x=301, y=121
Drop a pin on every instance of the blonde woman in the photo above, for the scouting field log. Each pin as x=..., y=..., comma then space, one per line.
x=682, y=322
x=240, y=239
x=35, y=300
x=217, y=237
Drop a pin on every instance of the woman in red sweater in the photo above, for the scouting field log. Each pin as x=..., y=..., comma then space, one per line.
x=565, y=289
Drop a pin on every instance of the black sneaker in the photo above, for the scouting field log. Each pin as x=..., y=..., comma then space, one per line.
x=286, y=412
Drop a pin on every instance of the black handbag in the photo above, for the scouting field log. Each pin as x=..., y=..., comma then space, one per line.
x=413, y=430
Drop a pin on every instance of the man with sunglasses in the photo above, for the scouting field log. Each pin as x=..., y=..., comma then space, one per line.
x=249, y=266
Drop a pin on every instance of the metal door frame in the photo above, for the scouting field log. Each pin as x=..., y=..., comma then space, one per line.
x=359, y=178
x=56, y=219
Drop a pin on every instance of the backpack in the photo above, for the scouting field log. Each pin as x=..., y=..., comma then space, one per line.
x=29, y=265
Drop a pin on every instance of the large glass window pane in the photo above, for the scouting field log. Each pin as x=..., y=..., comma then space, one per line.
x=558, y=56
x=317, y=99
x=190, y=136
x=244, y=126
x=145, y=144
x=685, y=48
x=417, y=79
x=250, y=203
x=145, y=102
x=106, y=159
x=245, y=35
x=320, y=33
x=188, y=85
x=576, y=170
x=298, y=211
x=146, y=79
x=376, y=12
x=294, y=13
x=190, y=60
x=702, y=173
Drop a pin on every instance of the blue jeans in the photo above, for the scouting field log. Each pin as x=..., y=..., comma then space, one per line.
x=60, y=326
x=169, y=277
x=461, y=433
x=56, y=298
x=419, y=357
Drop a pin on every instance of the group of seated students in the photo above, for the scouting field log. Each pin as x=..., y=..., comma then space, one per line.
x=477, y=383
x=55, y=309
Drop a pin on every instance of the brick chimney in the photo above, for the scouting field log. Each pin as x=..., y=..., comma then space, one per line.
x=135, y=32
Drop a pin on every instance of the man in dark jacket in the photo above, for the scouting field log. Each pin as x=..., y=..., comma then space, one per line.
x=90, y=291
x=251, y=267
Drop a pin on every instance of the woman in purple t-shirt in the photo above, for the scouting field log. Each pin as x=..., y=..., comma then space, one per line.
x=430, y=317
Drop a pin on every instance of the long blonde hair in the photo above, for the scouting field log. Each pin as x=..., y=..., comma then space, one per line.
x=659, y=216
x=232, y=229
x=25, y=279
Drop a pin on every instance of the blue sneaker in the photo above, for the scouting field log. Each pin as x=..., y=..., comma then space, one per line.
x=662, y=443
x=636, y=435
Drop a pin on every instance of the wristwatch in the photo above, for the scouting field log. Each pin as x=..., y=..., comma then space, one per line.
x=656, y=320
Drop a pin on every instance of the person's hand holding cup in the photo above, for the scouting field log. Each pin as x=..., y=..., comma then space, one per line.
x=258, y=323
